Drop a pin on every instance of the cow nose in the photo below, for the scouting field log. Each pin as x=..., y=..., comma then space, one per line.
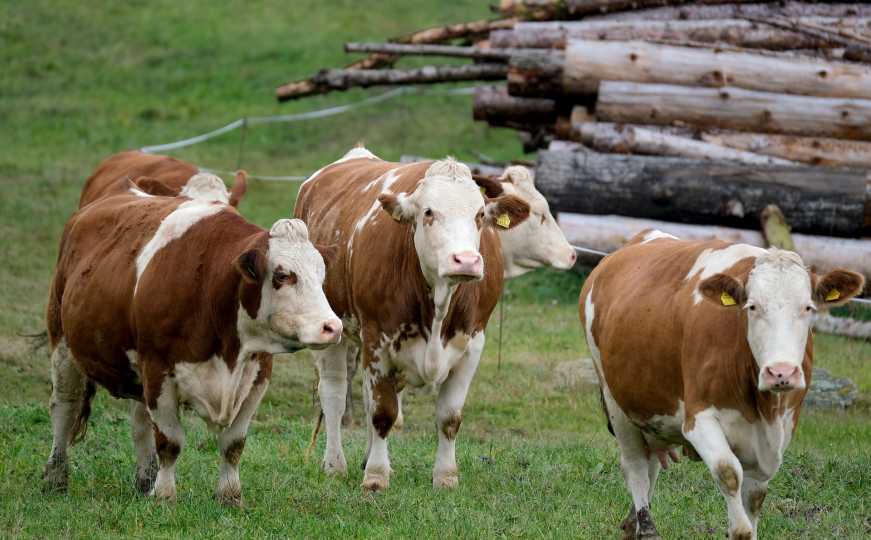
x=466, y=263
x=331, y=330
x=782, y=376
x=573, y=258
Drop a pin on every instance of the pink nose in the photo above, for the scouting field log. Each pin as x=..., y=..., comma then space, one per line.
x=573, y=258
x=466, y=263
x=331, y=330
x=781, y=376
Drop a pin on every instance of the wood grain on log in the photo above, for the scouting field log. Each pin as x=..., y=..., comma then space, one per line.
x=822, y=201
x=811, y=150
x=403, y=49
x=575, y=9
x=493, y=105
x=343, y=79
x=585, y=63
x=734, y=108
x=608, y=233
x=788, y=8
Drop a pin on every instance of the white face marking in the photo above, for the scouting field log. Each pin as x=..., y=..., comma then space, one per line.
x=215, y=392
x=711, y=262
x=538, y=241
x=779, y=309
x=173, y=226
x=655, y=234
x=206, y=187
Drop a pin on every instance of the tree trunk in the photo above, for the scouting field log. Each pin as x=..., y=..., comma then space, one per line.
x=734, y=108
x=737, y=32
x=575, y=9
x=586, y=63
x=701, y=11
x=814, y=200
x=609, y=233
x=628, y=139
x=811, y=150
x=343, y=79
x=493, y=105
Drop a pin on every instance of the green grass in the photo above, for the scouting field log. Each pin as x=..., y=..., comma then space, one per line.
x=82, y=80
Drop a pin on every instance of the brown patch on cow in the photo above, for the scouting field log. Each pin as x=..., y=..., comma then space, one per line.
x=167, y=449
x=233, y=452
x=756, y=500
x=329, y=253
x=728, y=478
x=384, y=394
x=492, y=185
x=847, y=284
x=153, y=186
x=451, y=426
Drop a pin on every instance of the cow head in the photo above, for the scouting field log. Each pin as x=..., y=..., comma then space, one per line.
x=448, y=211
x=291, y=311
x=538, y=241
x=780, y=298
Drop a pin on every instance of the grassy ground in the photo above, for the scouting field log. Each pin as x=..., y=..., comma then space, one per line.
x=83, y=80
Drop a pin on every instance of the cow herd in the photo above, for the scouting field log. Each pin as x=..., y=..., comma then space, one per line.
x=165, y=295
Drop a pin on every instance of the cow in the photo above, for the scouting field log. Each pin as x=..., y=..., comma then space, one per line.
x=535, y=243
x=156, y=175
x=171, y=301
x=417, y=275
x=705, y=345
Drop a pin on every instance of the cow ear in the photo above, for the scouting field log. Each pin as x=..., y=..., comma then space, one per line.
x=153, y=186
x=506, y=212
x=490, y=185
x=240, y=186
x=836, y=288
x=517, y=175
x=724, y=291
x=400, y=207
x=251, y=265
x=329, y=253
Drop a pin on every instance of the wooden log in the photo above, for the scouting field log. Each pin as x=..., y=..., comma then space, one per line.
x=693, y=11
x=438, y=34
x=629, y=139
x=817, y=200
x=403, y=49
x=775, y=229
x=344, y=79
x=842, y=326
x=575, y=9
x=858, y=49
x=608, y=232
x=734, y=108
x=736, y=32
x=585, y=63
x=810, y=150
x=493, y=105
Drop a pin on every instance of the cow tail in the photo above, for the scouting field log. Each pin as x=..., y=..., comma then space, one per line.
x=314, y=438
x=605, y=409
x=80, y=427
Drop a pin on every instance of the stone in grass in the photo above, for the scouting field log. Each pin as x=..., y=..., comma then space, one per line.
x=574, y=373
x=827, y=392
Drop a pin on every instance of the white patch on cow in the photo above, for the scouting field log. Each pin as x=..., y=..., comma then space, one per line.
x=214, y=391
x=712, y=261
x=206, y=187
x=172, y=227
x=538, y=241
x=139, y=193
x=358, y=152
x=589, y=315
x=656, y=234
x=165, y=416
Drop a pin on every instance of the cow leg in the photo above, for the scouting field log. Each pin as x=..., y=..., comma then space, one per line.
x=753, y=494
x=332, y=365
x=143, y=446
x=400, y=418
x=449, y=414
x=353, y=358
x=67, y=399
x=710, y=442
x=231, y=442
x=381, y=411
x=161, y=398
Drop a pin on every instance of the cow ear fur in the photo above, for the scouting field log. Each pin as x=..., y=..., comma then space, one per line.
x=836, y=288
x=251, y=265
x=506, y=212
x=398, y=206
x=723, y=290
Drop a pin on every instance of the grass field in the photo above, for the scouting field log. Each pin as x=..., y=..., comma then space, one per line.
x=84, y=79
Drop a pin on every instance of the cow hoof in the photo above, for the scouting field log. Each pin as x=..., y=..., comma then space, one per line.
x=375, y=482
x=629, y=524
x=145, y=477
x=741, y=534
x=646, y=528
x=231, y=498
x=336, y=467
x=163, y=494
x=445, y=482
x=56, y=478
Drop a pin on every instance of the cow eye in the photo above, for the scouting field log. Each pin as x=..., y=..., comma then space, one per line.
x=808, y=308
x=282, y=278
x=751, y=307
x=427, y=212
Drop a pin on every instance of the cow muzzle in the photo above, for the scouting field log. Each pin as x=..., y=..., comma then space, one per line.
x=781, y=377
x=465, y=266
x=329, y=333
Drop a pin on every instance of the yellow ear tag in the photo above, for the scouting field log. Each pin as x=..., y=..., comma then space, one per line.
x=503, y=221
x=483, y=191
x=833, y=295
x=727, y=299
x=395, y=216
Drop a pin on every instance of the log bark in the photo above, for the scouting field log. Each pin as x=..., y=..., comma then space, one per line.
x=585, y=63
x=821, y=201
x=628, y=139
x=575, y=9
x=734, y=108
x=810, y=150
x=736, y=32
x=493, y=105
x=403, y=49
x=858, y=48
x=736, y=10
x=344, y=79
x=820, y=253
x=438, y=34
x=842, y=326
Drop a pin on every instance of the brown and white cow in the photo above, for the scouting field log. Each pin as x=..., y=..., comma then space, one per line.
x=707, y=345
x=417, y=275
x=170, y=301
x=157, y=175
x=535, y=243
